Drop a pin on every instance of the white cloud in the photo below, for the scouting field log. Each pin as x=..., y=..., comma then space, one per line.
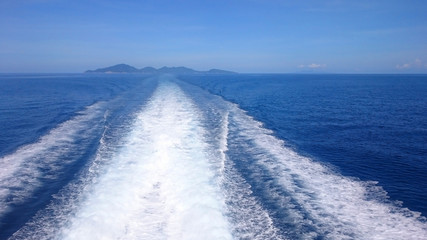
x=403, y=66
x=312, y=66
x=315, y=65
x=417, y=63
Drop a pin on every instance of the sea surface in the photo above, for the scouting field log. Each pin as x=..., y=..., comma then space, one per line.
x=240, y=156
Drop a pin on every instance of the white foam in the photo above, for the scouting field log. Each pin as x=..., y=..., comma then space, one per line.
x=160, y=184
x=21, y=171
x=223, y=142
x=249, y=220
x=338, y=207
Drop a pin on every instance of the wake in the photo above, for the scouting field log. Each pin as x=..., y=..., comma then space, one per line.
x=273, y=192
x=24, y=170
x=194, y=166
x=160, y=185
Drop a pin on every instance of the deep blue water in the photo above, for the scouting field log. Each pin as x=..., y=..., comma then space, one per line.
x=208, y=157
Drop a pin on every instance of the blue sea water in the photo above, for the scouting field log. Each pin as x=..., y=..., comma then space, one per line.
x=88, y=156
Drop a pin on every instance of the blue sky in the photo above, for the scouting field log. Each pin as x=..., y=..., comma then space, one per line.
x=337, y=36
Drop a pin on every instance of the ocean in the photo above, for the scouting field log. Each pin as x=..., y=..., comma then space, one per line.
x=236, y=156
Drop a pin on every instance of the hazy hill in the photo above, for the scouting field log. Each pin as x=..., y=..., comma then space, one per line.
x=119, y=68
x=124, y=68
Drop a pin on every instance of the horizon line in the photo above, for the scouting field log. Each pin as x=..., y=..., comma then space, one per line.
x=297, y=73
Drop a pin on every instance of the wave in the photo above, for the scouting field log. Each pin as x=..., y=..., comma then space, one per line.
x=307, y=199
x=25, y=170
x=300, y=198
x=158, y=185
x=194, y=166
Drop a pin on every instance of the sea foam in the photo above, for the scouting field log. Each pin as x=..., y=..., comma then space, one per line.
x=160, y=184
x=316, y=200
x=24, y=170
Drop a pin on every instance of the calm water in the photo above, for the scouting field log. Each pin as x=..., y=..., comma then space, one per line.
x=210, y=157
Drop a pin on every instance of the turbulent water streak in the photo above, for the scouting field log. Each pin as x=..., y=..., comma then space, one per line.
x=311, y=200
x=160, y=184
x=24, y=170
x=300, y=197
x=247, y=216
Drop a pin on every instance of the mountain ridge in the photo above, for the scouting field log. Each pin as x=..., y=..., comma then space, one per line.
x=125, y=68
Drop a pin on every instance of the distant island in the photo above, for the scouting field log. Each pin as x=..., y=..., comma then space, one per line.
x=124, y=68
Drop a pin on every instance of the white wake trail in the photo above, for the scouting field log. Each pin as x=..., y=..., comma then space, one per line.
x=23, y=171
x=338, y=207
x=160, y=185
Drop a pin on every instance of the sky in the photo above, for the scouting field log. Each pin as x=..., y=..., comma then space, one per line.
x=248, y=36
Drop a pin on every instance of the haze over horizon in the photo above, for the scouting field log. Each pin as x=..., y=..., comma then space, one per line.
x=271, y=36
